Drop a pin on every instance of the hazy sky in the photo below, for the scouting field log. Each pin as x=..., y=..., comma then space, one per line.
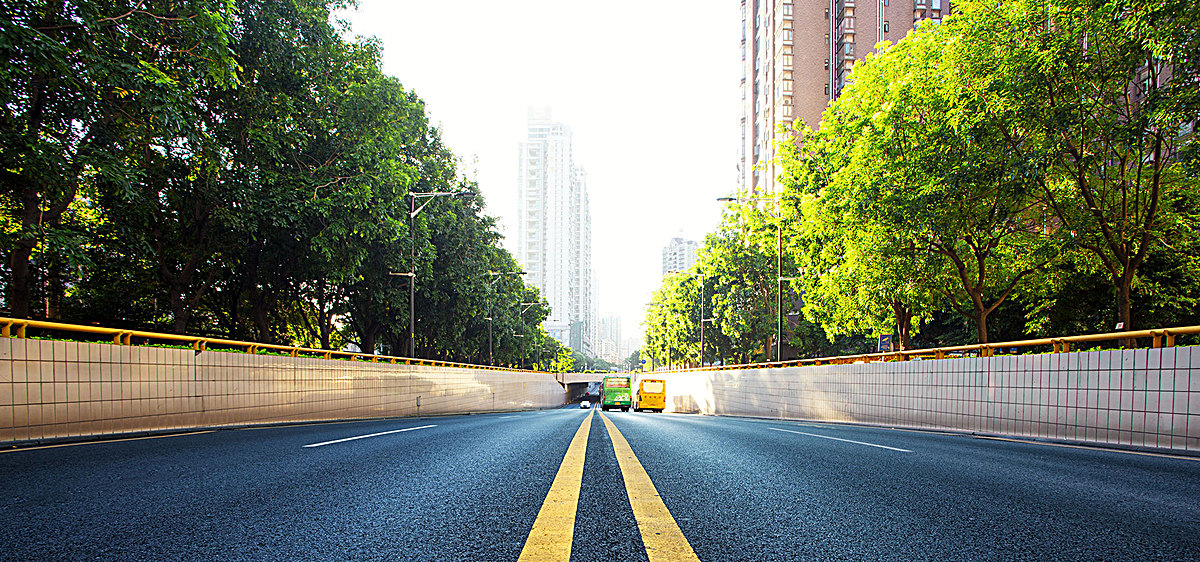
x=649, y=88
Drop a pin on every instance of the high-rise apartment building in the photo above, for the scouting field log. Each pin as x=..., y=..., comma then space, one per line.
x=679, y=255
x=555, y=234
x=796, y=57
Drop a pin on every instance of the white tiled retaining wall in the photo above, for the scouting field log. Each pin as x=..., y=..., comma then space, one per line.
x=1143, y=397
x=53, y=389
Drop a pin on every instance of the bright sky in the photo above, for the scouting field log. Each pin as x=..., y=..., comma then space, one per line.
x=649, y=88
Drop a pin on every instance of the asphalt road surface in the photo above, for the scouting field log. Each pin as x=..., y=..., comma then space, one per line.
x=562, y=483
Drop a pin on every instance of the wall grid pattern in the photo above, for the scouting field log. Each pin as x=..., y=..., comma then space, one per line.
x=1137, y=398
x=60, y=389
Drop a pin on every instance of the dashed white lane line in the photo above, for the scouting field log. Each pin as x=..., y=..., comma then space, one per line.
x=370, y=435
x=509, y=417
x=843, y=440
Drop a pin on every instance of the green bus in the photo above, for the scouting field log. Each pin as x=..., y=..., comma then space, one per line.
x=615, y=393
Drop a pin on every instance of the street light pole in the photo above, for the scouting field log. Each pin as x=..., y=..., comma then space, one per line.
x=494, y=275
x=666, y=337
x=701, y=307
x=779, y=288
x=413, y=210
x=778, y=216
x=412, y=280
x=701, y=318
x=781, y=280
x=525, y=343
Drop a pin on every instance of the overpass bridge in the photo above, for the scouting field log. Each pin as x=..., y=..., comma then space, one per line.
x=579, y=385
x=1090, y=454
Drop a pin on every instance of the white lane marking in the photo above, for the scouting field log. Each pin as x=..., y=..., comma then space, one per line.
x=509, y=417
x=371, y=435
x=845, y=440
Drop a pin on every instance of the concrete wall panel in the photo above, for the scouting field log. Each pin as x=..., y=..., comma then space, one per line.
x=52, y=389
x=1143, y=397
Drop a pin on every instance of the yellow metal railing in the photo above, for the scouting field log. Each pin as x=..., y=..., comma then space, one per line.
x=1162, y=337
x=15, y=328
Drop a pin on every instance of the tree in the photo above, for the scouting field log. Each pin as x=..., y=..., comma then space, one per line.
x=856, y=277
x=86, y=86
x=633, y=362
x=922, y=174
x=739, y=260
x=1093, y=81
x=672, y=328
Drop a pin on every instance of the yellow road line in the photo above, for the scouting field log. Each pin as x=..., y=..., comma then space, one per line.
x=554, y=528
x=661, y=536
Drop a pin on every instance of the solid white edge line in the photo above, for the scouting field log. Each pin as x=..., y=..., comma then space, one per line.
x=845, y=440
x=371, y=435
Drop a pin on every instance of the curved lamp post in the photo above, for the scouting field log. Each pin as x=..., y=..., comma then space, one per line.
x=413, y=210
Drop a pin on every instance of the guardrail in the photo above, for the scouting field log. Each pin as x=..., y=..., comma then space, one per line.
x=17, y=328
x=1160, y=337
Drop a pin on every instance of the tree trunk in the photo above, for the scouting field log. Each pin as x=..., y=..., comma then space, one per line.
x=396, y=343
x=903, y=316
x=55, y=289
x=20, y=289
x=324, y=314
x=180, y=315
x=259, y=310
x=368, y=335
x=1125, y=309
x=981, y=325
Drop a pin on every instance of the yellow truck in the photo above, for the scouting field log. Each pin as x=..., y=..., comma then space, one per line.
x=651, y=395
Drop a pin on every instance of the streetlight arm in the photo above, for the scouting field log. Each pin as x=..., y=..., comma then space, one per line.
x=429, y=196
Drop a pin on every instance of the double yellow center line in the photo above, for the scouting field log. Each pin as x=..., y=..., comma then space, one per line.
x=554, y=528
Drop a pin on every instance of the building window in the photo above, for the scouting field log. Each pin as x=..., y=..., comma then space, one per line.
x=826, y=13
x=827, y=89
x=885, y=27
x=787, y=87
x=787, y=111
x=885, y=2
x=787, y=61
x=787, y=34
x=787, y=9
x=826, y=64
x=826, y=38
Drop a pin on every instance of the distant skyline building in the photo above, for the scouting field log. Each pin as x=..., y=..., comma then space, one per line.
x=679, y=254
x=630, y=345
x=610, y=339
x=796, y=57
x=555, y=234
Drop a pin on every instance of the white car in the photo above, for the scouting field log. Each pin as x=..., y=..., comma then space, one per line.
x=585, y=404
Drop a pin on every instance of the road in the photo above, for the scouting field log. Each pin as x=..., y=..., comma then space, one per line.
x=487, y=487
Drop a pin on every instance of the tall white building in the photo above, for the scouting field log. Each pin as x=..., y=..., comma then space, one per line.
x=555, y=234
x=679, y=255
